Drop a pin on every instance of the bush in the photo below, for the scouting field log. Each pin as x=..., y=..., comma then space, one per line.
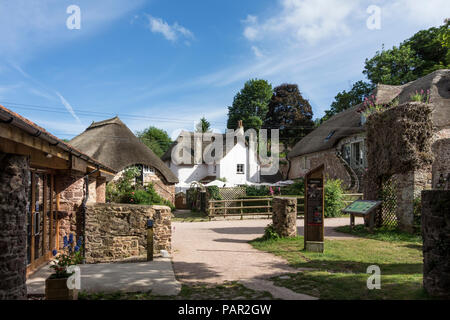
x=125, y=190
x=256, y=191
x=270, y=233
x=334, y=198
x=213, y=192
x=295, y=189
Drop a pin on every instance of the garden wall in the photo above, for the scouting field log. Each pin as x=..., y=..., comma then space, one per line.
x=14, y=181
x=115, y=232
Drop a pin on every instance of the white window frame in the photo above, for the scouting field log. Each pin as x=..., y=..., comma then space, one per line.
x=240, y=168
x=148, y=170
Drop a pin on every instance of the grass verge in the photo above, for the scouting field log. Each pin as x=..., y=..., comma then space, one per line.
x=340, y=272
x=189, y=216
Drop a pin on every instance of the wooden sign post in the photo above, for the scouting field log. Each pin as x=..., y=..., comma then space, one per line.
x=314, y=209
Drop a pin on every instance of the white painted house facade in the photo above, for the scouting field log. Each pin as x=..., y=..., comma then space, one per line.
x=237, y=166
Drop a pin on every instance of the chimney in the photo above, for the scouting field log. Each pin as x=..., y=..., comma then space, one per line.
x=240, y=128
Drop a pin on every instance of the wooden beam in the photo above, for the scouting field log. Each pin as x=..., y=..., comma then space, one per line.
x=14, y=134
x=38, y=159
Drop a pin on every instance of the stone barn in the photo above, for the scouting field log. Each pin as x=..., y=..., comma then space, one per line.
x=112, y=142
x=46, y=186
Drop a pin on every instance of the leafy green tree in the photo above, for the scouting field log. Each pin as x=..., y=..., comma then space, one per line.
x=347, y=99
x=425, y=52
x=203, y=126
x=289, y=112
x=156, y=139
x=250, y=105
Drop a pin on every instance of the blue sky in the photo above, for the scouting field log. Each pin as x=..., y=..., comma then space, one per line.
x=168, y=63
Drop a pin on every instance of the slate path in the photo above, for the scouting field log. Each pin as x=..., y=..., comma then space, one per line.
x=218, y=251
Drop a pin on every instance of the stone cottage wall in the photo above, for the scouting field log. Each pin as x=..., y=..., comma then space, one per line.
x=14, y=189
x=118, y=231
x=436, y=242
x=334, y=168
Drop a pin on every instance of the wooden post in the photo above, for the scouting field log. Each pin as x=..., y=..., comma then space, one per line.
x=45, y=208
x=242, y=210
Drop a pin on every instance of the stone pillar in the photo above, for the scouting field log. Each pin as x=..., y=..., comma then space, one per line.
x=436, y=242
x=285, y=216
x=14, y=189
x=101, y=189
x=409, y=186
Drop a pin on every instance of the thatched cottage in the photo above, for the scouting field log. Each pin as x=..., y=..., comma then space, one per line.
x=114, y=144
x=340, y=143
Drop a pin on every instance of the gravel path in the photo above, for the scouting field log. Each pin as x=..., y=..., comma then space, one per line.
x=217, y=251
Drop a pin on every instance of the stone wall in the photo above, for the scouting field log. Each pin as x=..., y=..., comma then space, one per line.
x=334, y=168
x=285, y=216
x=14, y=189
x=113, y=230
x=436, y=242
x=441, y=164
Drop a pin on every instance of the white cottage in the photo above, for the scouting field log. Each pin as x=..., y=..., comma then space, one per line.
x=238, y=164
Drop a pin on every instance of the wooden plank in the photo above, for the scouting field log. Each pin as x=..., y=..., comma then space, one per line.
x=16, y=135
x=245, y=207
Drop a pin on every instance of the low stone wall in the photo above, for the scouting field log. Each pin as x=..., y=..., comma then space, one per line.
x=14, y=179
x=436, y=242
x=285, y=216
x=118, y=231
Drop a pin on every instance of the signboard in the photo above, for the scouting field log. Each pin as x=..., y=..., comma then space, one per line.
x=314, y=210
x=362, y=206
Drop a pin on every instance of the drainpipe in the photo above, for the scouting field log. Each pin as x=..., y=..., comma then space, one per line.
x=83, y=209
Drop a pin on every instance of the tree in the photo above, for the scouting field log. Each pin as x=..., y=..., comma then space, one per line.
x=250, y=105
x=156, y=139
x=203, y=126
x=425, y=52
x=290, y=113
x=347, y=99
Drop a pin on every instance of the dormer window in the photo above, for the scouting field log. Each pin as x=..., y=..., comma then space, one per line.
x=240, y=169
x=329, y=135
x=148, y=170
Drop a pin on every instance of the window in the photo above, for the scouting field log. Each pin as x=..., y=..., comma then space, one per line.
x=148, y=170
x=240, y=169
x=357, y=154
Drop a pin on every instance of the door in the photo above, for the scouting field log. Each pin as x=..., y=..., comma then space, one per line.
x=41, y=221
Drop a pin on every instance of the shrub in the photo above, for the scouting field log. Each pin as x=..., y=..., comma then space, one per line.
x=295, y=189
x=125, y=190
x=255, y=191
x=213, y=192
x=270, y=233
x=334, y=198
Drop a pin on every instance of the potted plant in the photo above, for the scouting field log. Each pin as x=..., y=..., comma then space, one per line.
x=56, y=287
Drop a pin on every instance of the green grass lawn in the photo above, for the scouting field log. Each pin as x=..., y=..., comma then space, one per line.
x=225, y=291
x=191, y=216
x=340, y=272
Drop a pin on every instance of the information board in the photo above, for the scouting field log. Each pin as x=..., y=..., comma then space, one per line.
x=362, y=206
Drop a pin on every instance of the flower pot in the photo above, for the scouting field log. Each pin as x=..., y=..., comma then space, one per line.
x=56, y=289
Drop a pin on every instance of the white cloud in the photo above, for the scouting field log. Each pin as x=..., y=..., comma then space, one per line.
x=257, y=52
x=429, y=13
x=309, y=20
x=170, y=32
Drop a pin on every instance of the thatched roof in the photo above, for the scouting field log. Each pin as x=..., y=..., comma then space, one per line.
x=348, y=122
x=111, y=142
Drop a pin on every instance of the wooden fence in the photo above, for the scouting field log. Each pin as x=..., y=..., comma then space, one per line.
x=258, y=206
